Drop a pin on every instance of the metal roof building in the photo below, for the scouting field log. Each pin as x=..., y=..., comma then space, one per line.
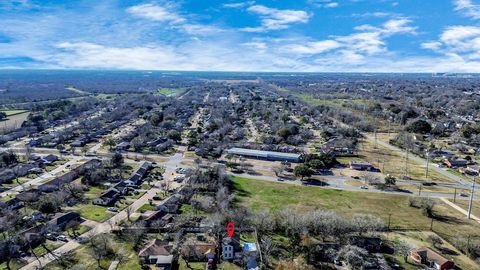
x=267, y=155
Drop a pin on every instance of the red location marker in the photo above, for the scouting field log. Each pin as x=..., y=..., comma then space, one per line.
x=230, y=229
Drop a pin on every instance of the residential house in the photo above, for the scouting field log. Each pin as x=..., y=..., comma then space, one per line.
x=137, y=176
x=121, y=187
x=432, y=259
x=158, y=253
x=455, y=163
x=79, y=142
x=13, y=204
x=372, y=244
x=472, y=170
x=123, y=146
x=107, y=198
x=231, y=248
x=361, y=166
x=50, y=158
x=66, y=178
x=440, y=153
x=61, y=220
x=6, y=176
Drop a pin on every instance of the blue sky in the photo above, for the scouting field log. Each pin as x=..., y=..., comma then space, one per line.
x=276, y=35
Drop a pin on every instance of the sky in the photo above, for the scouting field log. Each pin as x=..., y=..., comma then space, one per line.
x=211, y=35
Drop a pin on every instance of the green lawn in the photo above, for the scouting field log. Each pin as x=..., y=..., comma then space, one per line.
x=93, y=212
x=170, y=91
x=258, y=194
x=187, y=209
x=146, y=207
x=13, y=112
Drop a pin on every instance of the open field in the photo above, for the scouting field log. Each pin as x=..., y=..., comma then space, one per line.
x=170, y=91
x=393, y=163
x=13, y=112
x=14, y=121
x=92, y=212
x=275, y=196
x=463, y=203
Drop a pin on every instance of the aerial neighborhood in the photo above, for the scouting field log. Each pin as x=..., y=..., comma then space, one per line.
x=314, y=173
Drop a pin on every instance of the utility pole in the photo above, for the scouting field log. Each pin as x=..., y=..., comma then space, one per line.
x=419, y=189
x=455, y=195
x=428, y=160
x=406, y=164
x=471, y=199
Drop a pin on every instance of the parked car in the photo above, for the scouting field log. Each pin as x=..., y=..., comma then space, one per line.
x=464, y=195
x=62, y=238
x=82, y=240
x=112, y=209
x=51, y=237
x=157, y=198
x=364, y=187
x=178, y=179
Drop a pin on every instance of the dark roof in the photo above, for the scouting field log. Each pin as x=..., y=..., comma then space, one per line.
x=156, y=247
x=109, y=193
x=50, y=158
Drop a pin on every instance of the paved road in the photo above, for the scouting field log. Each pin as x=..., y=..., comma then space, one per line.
x=36, y=181
x=107, y=226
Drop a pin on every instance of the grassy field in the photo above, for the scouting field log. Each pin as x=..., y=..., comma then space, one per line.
x=92, y=212
x=393, y=163
x=258, y=194
x=170, y=91
x=463, y=203
x=14, y=121
x=13, y=112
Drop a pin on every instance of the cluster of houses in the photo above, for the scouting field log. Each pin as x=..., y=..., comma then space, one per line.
x=200, y=247
x=158, y=145
x=71, y=133
x=70, y=176
x=35, y=165
x=37, y=234
x=110, y=196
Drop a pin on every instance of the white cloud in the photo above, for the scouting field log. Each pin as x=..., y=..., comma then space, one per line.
x=239, y=4
x=315, y=47
x=432, y=45
x=369, y=40
x=468, y=8
x=276, y=19
x=156, y=13
x=256, y=45
x=323, y=3
x=377, y=14
x=460, y=42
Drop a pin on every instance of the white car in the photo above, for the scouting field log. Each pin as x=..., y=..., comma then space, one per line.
x=112, y=209
x=62, y=238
